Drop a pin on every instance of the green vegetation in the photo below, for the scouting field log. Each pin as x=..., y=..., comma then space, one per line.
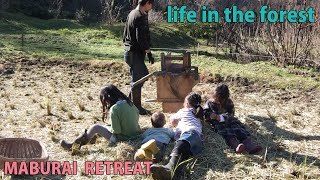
x=262, y=72
x=66, y=39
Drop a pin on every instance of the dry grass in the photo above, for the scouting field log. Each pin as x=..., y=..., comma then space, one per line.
x=286, y=124
x=81, y=106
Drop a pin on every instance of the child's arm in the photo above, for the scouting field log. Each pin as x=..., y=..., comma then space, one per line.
x=211, y=115
x=171, y=133
x=115, y=121
x=228, y=116
x=144, y=134
x=209, y=109
x=230, y=108
x=175, y=118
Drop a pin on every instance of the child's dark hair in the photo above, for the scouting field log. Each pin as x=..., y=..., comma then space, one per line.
x=158, y=120
x=222, y=92
x=109, y=95
x=194, y=99
x=143, y=2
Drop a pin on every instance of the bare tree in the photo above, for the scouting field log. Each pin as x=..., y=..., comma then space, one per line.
x=4, y=4
x=287, y=43
x=155, y=17
x=56, y=7
x=111, y=10
x=290, y=43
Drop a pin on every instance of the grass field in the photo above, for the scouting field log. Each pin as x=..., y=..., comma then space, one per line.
x=62, y=64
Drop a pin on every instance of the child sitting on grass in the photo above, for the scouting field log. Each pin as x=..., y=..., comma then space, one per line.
x=189, y=138
x=219, y=113
x=155, y=140
x=124, y=117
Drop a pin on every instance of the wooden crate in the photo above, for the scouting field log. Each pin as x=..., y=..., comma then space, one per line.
x=171, y=107
x=175, y=81
x=174, y=87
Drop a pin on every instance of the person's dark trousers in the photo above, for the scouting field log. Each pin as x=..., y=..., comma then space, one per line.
x=138, y=70
x=180, y=153
x=159, y=156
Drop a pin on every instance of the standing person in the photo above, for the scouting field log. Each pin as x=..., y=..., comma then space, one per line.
x=189, y=138
x=136, y=39
x=124, y=117
x=219, y=113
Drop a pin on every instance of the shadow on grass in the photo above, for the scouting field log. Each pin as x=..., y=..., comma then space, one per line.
x=17, y=23
x=276, y=150
x=270, y=125
x=56, y=45
x=162, y=36
x=214, y=157
x=59, y=38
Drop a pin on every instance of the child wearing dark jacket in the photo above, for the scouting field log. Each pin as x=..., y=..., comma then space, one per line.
x=219, y=113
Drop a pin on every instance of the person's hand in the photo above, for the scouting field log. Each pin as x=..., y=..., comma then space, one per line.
x=175, y=122
x=150, y=57
x=177, y=135
x=215, y=116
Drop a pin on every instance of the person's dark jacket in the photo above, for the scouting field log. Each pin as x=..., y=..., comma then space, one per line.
x=136, y=36
x=227, y=111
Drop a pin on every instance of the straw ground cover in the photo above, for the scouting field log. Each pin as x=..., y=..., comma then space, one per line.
x=53, y=100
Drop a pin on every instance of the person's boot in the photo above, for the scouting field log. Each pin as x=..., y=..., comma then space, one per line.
x=164, y=172
x=81, y=140
x=66, y=145
x=136, y=99
x=147, y=151
x=180, y=153
x=235, y=145
x=250, y=147
x=93, y=140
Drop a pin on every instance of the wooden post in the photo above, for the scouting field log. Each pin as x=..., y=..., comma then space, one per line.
x=163, y=62
x=168, y=61
x=187, y=60
x=22, y=41
x=216, y=42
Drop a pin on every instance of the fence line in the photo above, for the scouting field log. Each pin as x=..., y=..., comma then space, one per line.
x=226, y=53
x=268, y=56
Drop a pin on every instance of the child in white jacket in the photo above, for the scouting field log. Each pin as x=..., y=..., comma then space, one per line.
x=188, y=134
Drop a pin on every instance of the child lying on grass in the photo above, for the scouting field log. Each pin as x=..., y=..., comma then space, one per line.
x=189, y=138
x=219, y=113
x=155, y=140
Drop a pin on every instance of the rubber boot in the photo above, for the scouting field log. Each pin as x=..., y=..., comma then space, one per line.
x=250, y=147
x=164, y=172
x=235, y=145
x=136, y=99
x=147, y=151
x=66, y=145
x=93, y=140
x=180, y=153
x=81, y=140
